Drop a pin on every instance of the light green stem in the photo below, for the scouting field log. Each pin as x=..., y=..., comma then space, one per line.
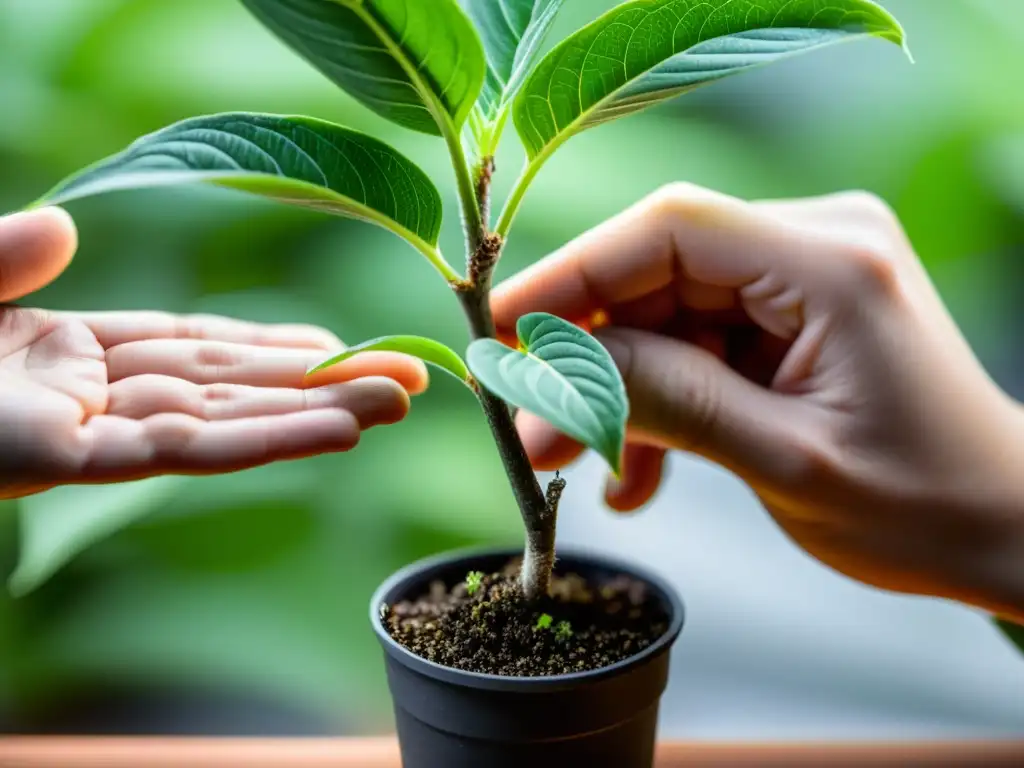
x=515, y=198
x=471, y=219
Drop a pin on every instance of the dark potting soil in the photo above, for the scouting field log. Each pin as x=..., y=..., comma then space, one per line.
x=494, y=630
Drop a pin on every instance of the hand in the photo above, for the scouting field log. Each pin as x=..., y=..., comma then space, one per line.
x=109, y=397
x=801, y=345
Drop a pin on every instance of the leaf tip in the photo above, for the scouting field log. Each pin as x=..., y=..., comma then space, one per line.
x=907, y=52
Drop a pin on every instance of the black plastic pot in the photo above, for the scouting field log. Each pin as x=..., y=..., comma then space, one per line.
x=448, y=718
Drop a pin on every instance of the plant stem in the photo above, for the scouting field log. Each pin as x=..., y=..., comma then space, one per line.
x=472, y=222
x=539, y=557
x=515, y=198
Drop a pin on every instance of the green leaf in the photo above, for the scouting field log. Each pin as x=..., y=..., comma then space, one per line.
x=513, y=32
x=59, y=524
x=295, y=160
x=646, y=51
x=1013, y=631
x=427, y=350
x=562, y=374
x=419, y=64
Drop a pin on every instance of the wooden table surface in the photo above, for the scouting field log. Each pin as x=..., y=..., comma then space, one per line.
x=64, y=752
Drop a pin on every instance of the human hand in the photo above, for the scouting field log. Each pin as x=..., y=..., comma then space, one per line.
x=801, y=345
x=110, y=397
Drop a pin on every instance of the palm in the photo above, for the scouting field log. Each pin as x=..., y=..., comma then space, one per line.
x=109, y=397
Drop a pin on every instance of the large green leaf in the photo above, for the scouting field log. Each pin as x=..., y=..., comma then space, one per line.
x=562, y=374
x=296, y=160
x=512, y=32
x=646, y=51
x=427, y=350
x=419, y=64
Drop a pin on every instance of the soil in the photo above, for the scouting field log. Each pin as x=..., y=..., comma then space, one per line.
x=496, y=631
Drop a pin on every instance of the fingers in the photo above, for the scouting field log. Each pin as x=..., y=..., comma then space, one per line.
x=686, y=398
x=642, y=467
x=125, y=449
x=118, y=449
x=215, y=362
x=373, y=401
x=716, y=251
x=678, y=232
x=116, y=328
x=35, y=247
x=547, y=448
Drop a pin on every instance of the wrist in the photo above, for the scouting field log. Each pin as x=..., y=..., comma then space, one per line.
x=994, y=566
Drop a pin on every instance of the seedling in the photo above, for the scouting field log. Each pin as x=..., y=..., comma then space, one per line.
x=474, y=580
x=462, y=72
x=544, y=622
x=563, y=631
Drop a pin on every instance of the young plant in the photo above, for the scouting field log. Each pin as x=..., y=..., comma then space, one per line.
x=460, y=72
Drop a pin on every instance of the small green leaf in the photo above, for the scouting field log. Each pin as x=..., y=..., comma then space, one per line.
x=512, y=32
x=544, y=622
x=419, y=64
x=427, y=350
x=646, y=51
x=474, y=580
x=295, y=160
x=563, y=375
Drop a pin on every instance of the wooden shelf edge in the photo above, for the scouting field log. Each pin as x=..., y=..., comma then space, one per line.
x=73, y=752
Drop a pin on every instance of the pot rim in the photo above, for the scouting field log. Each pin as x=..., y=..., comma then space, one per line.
x=480, y=680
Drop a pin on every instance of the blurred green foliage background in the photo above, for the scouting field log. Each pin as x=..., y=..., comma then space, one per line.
x=239, y=603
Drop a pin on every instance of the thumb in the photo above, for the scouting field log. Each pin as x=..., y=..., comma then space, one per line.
x=685, y=398
x=35, y=247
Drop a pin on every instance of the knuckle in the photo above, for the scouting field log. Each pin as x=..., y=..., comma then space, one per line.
x=681, y=198
x=171, y=435
x=211, y=360
x=807, y=464
x=871, y=268
x=872, y=206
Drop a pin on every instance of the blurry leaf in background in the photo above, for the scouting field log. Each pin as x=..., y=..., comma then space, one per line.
x=1003, y=166
x=59, y=524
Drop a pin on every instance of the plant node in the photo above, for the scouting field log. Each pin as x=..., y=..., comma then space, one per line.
x=483, y=261
x=554, y=495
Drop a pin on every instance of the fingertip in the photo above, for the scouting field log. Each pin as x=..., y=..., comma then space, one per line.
x=547, y=448
x=641, y=477
x=410, y=373
x=377, y=401
x=35, y=247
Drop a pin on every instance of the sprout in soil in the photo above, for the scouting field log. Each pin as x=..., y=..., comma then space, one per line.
x=474, y=580
x=563, y=631
x=543, y=622
x=461, y=71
